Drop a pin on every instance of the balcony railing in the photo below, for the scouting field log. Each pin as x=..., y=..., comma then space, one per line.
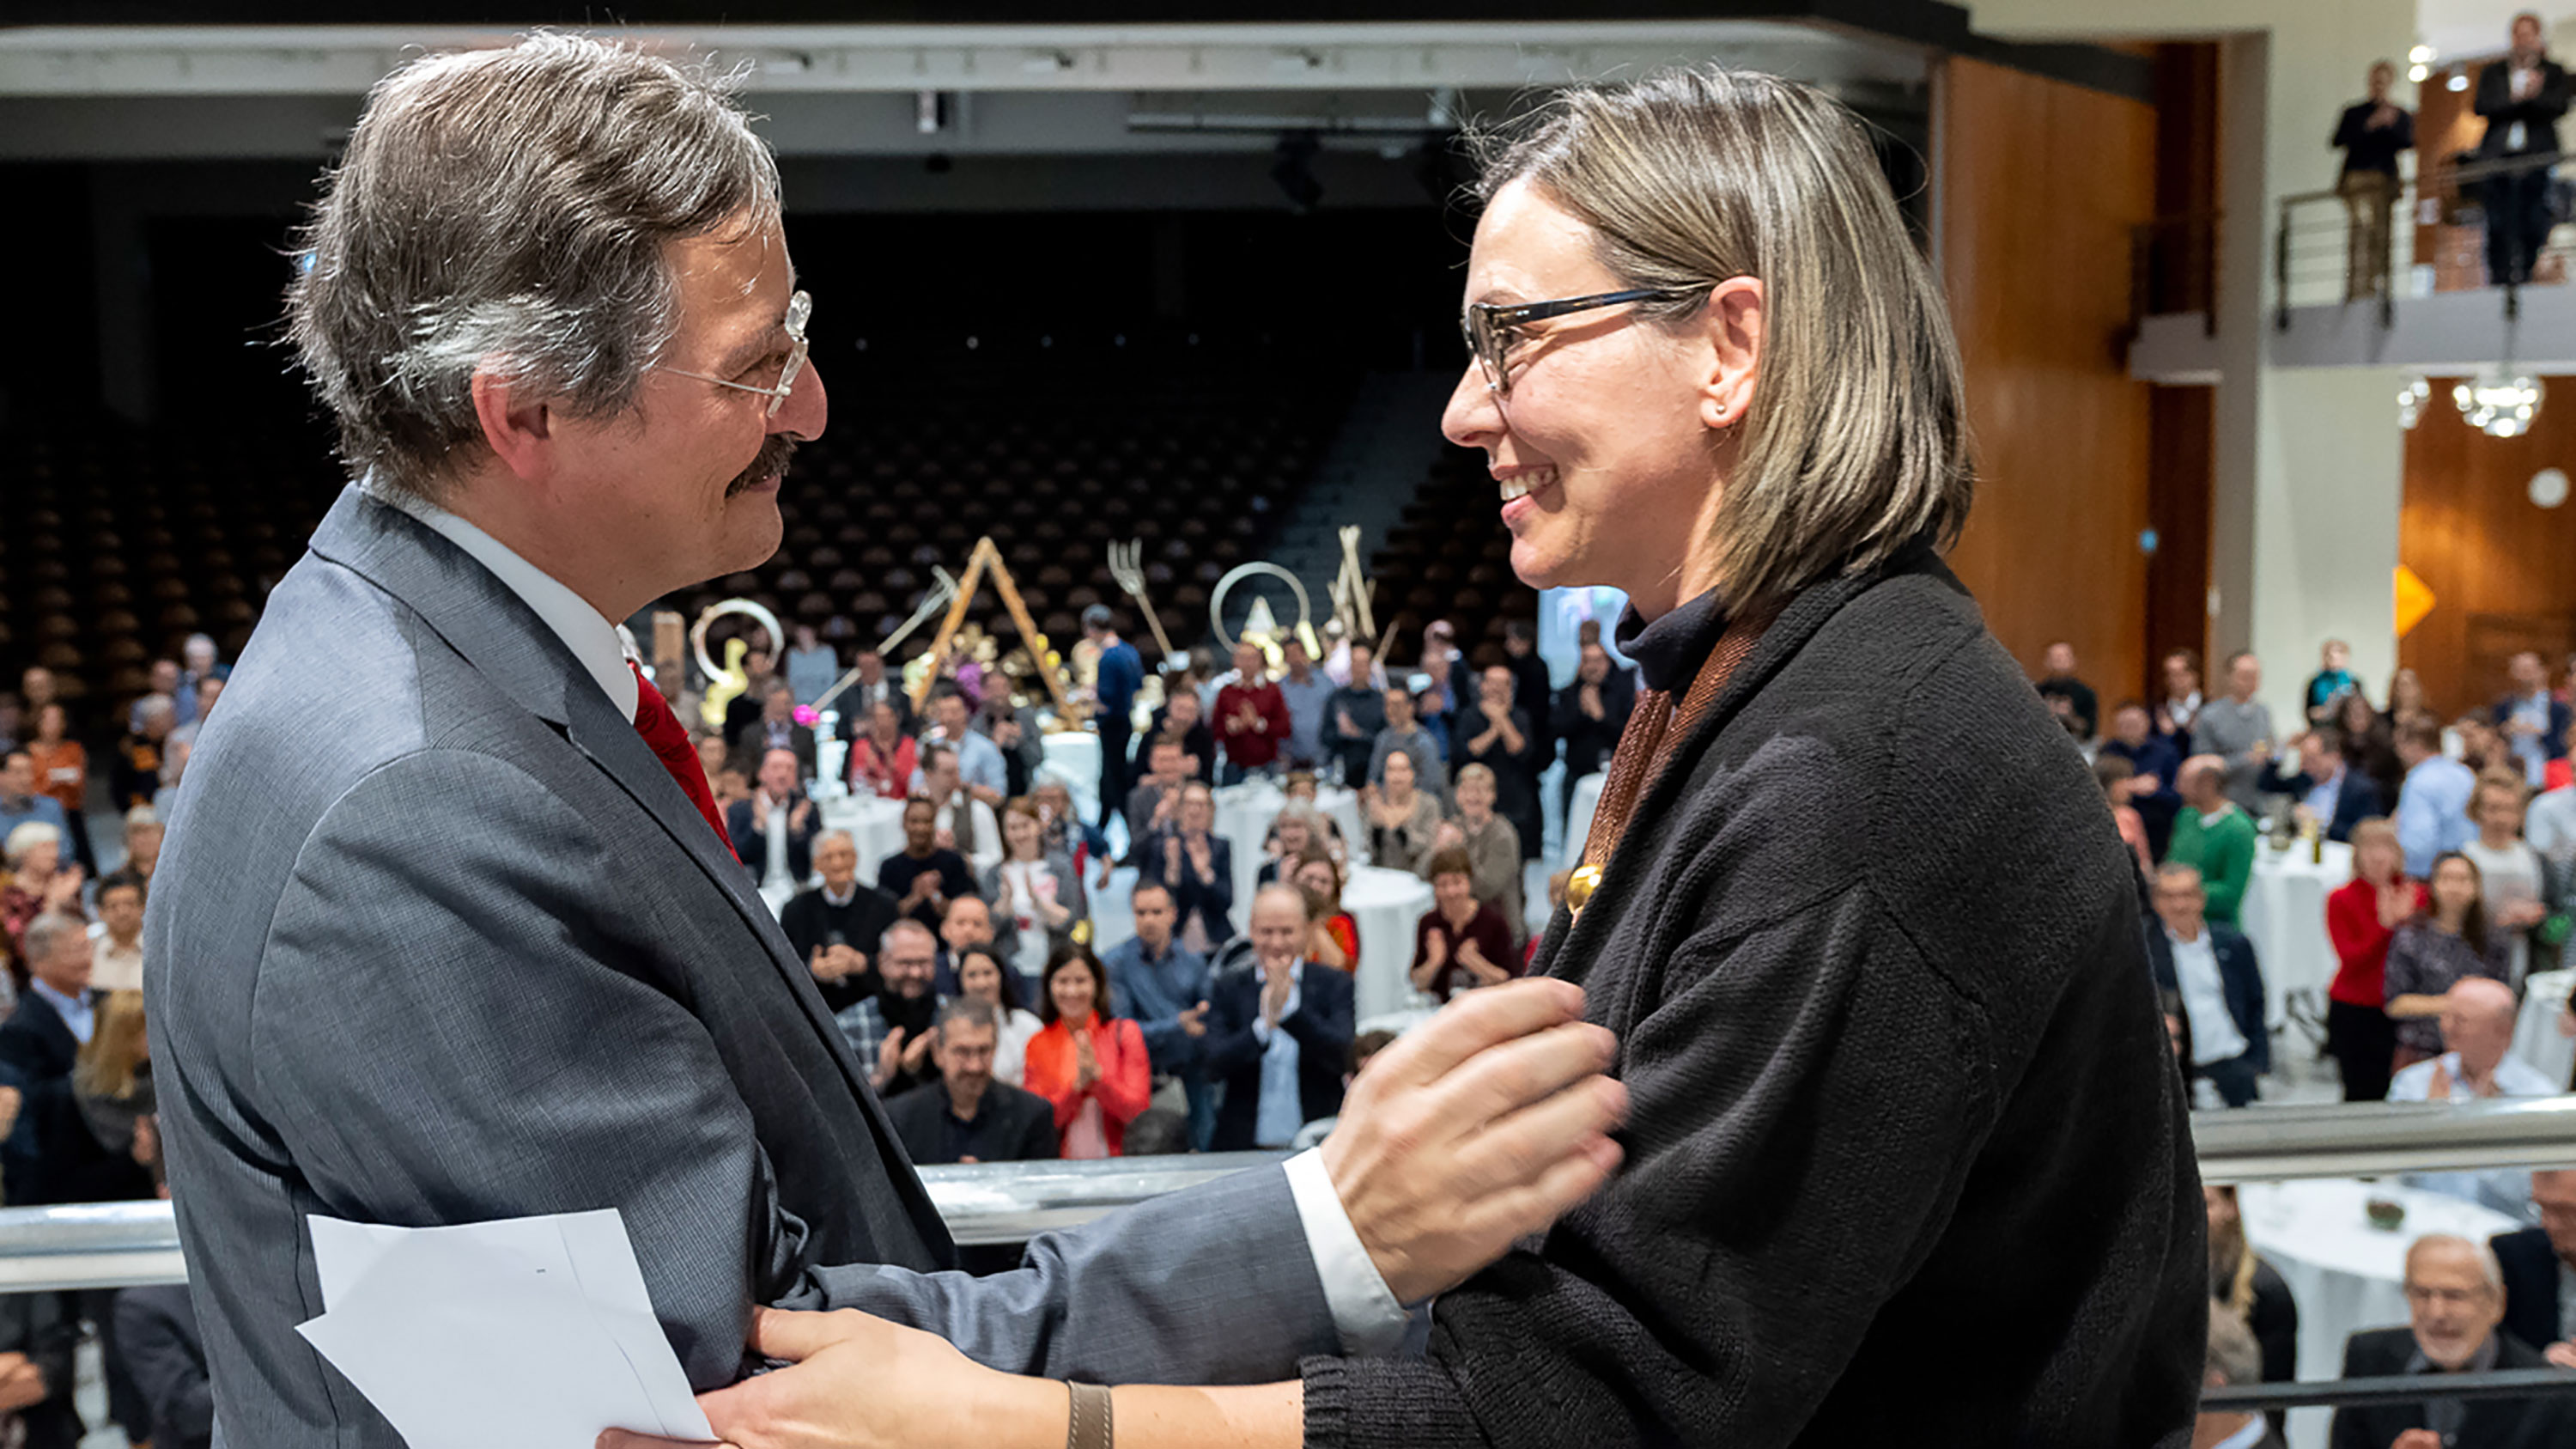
x=119, y=1245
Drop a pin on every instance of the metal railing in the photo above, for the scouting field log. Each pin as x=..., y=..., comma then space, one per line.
x=2313, y=261
x=128, y=1244
x=124, y=1245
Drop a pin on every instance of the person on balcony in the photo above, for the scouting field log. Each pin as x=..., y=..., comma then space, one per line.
x=2522, y=96
x=2370, y=135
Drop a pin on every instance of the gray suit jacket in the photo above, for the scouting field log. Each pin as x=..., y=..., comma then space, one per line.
x=440, y=941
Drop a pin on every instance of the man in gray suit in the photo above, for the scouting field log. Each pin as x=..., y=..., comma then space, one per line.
x=449, y=932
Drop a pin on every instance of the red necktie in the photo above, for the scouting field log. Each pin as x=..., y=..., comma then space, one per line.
x=670, y=741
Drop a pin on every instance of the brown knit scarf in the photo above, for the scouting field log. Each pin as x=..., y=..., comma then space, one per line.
x=1654, y=729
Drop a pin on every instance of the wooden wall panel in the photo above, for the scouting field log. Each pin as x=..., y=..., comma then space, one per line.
x=2041, y=183
x=2502, y=569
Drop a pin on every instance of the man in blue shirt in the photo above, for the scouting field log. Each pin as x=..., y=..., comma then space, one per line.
x=1309, y=692
x=979, y=761
x=1121, y=674
x=1162, y=986
x=19, y=802
x=2433, y=804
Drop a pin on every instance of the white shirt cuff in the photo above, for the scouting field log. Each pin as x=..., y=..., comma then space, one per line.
x=1364, y=1309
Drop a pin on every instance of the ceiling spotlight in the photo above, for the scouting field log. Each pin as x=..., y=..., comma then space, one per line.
x=2410, y=402
x=2459, y=81
x=2420, y=54
x=2496, y=405
x=2418, y=71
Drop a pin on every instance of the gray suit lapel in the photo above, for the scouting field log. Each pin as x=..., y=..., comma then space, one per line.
x=479, y=617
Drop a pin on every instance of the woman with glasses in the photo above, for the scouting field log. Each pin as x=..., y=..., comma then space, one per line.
x=1907, y=1158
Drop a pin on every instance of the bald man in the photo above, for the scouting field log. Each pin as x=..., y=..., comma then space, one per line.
x=2213, y=835
x=2454, y=1300
x=2477, y=1027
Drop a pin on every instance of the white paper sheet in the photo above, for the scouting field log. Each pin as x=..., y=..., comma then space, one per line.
x=527, y=1333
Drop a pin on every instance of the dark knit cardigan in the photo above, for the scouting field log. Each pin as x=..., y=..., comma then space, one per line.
x=1908, y=1159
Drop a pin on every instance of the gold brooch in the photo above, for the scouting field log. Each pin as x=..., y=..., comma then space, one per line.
x=1579, y=887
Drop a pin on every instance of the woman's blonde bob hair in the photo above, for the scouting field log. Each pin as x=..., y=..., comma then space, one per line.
x=1855, y=444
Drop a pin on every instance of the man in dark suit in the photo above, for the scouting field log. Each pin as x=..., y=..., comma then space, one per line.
x=2537, y=1264
x=156, y=1328
x=1279, y=1035
x=448, y=862
x=1589, y=715
x=775, y=728
x=2212, y=969
x=2522, y=96
x=2455, y=1297
x=2335, y=796
x=973, y=1118
x=773, y=830
x=41, y=1040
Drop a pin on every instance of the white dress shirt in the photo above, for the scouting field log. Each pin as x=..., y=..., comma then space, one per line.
x=1363, y=1308
x=2505, y=1189
x=2214, y=1033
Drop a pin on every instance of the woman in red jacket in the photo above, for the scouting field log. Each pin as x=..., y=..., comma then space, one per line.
x=1094, y=1069
x=2363, y=917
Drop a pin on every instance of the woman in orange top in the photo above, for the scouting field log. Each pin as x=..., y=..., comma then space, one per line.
x=62, y=771
x=1093, y=1069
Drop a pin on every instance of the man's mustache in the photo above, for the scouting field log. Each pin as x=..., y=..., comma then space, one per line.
x=772, y=459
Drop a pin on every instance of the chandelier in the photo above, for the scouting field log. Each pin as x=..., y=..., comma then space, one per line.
x=2410, y=402
x=2496, y=405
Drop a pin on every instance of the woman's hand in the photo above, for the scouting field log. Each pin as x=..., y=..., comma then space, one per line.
x=859, y=1383
x=1086, y=1062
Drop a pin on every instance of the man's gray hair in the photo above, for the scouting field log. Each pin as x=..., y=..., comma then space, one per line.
x=509, y=210
x=2234, y=1357
x=1856, y=443
x=2489, y=1266
x=842, y=836
x=972, y=1010
x=141, y=816
x=155, y=706
x=907, y=926
x=47, y=933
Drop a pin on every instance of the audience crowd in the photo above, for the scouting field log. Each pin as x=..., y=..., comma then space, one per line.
x=965, y=970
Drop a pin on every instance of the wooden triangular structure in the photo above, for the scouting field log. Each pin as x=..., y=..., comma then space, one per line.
x=987, y=557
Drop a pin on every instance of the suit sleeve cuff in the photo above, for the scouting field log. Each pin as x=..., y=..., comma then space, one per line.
x=1364, y=1309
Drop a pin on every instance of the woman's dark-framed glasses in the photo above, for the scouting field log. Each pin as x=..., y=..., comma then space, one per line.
x=1491, y=328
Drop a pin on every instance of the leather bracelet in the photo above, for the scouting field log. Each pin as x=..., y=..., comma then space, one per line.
x=1088, y=1425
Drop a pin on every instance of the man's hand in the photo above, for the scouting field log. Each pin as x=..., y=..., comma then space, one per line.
x=889, y=1057
x=1274, y=995
x=918, y=1052
x=2440, y=1091
x=797, y=817
x=2416, y=1439
x=22, y=1384
x=2560, y=1355
x=1193, y=1023
x=1478, y=1128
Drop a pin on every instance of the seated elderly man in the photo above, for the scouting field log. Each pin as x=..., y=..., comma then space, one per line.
x=2234, y=1360
x=2477, y=1026
x=2455, y=1301
x=2540, y=1270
